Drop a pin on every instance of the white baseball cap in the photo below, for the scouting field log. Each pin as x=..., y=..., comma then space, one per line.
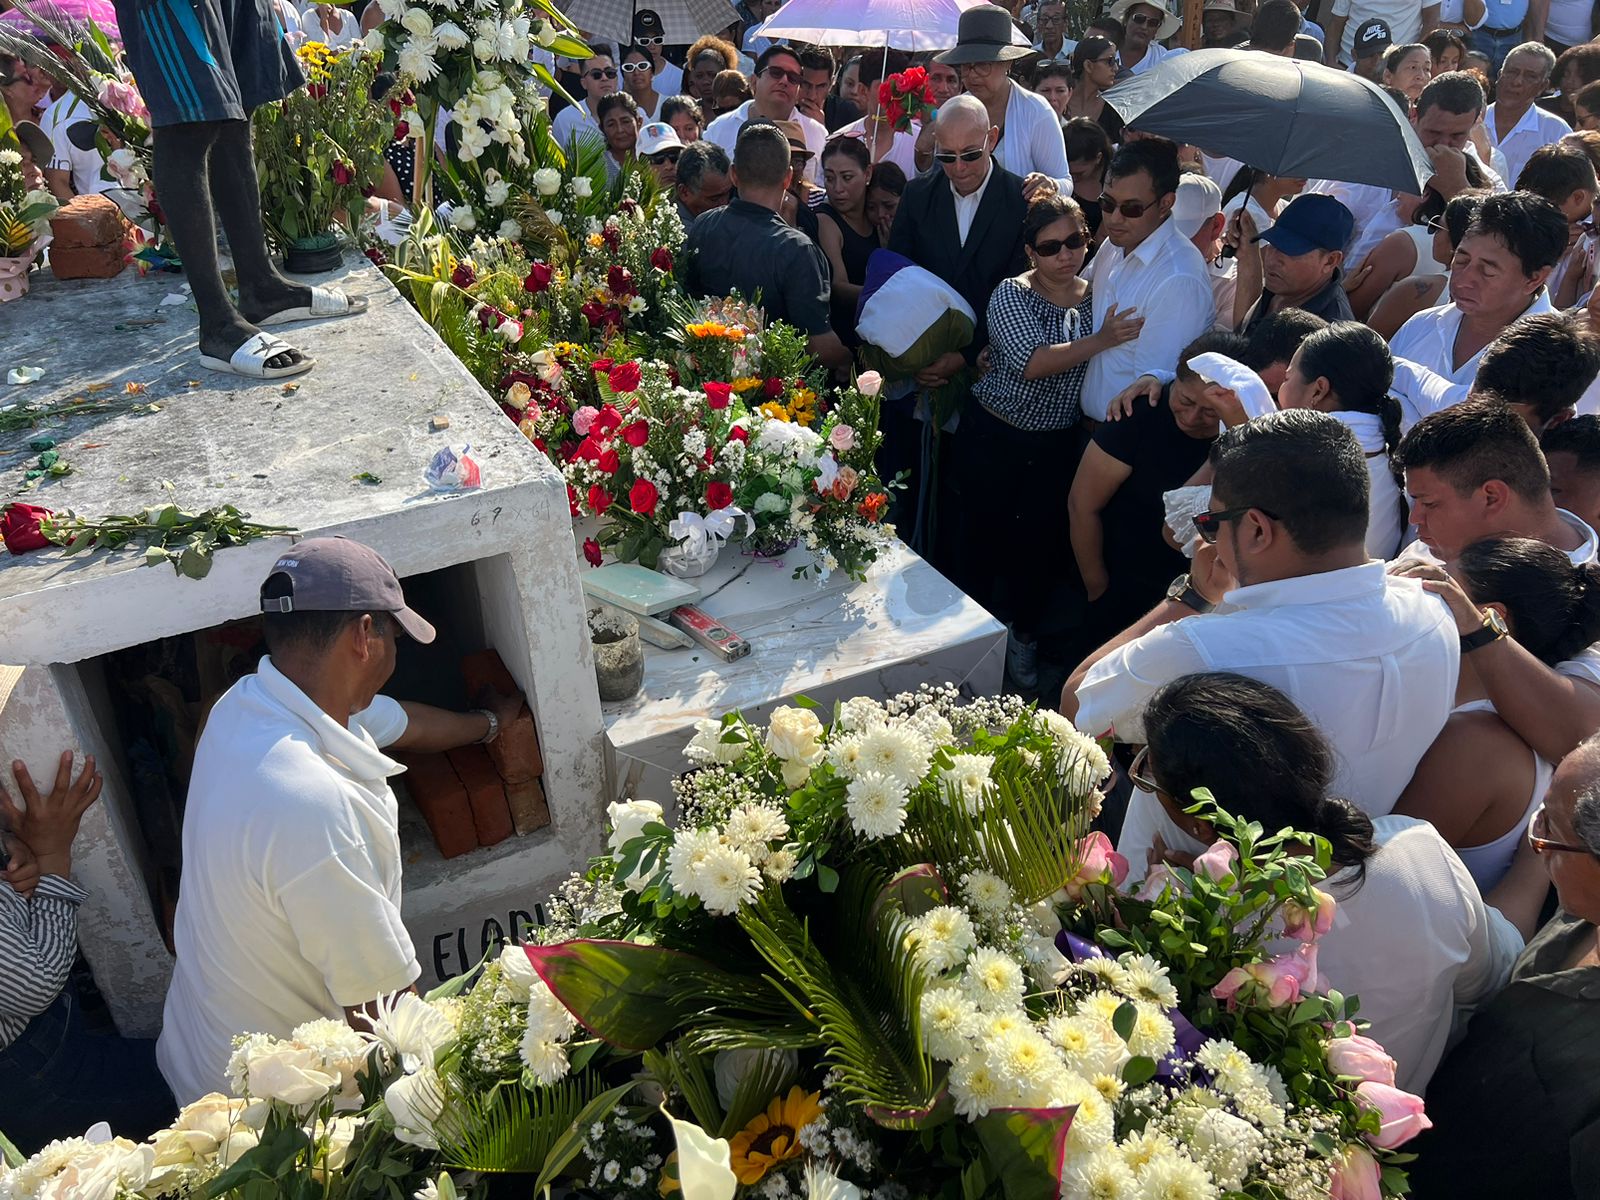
x=1199, y=199
x=656, y=137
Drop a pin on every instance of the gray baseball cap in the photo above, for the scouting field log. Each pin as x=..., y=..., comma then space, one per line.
x=335, y=574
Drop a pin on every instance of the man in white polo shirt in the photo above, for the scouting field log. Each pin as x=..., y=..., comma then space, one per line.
x=1515, y=124
x=1372, y=659
x=290, y=908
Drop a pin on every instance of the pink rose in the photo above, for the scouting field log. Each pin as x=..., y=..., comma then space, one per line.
x=1308, y=926
x=1355, y=1176
x=869, y=383
x=1400, y=1114
x=583, y=420
x=1156, y=881
x=1278, y=982
x=1097, y=863
x=123, y=98
x=1359, y=1057
x=1217, y=862
x=842, y=439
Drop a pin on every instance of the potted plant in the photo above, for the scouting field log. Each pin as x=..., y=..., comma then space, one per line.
x=24, y=224
x=319, y=154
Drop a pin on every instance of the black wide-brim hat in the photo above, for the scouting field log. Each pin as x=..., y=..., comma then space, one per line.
x=984, y=35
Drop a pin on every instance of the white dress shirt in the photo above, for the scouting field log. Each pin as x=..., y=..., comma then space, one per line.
x=1033, y=140
x=967, y=206
x=1535, y=128
x=1365, y=202
x=1167, y=281
x=1153, y=54
x=1371, y=658
x=1429, y=339
x=724, y=132
x=1422, y=391
x=576, y=119
x=1416, y=943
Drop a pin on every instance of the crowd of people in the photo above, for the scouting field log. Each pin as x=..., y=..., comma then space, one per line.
x=1288, y=484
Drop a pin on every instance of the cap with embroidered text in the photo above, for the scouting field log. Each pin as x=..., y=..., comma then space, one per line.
x=1371, y=37
x=336, y=574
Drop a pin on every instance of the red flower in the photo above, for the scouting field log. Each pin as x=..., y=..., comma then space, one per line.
x=772, y=388
x=642, y=497
x=637, y=432
x=600, y=316
x=572, y=500
x=343, y=173
x=718, y=495
x=612, y=238
x=402, y=130
x=408, y=98
x=600, y=366
x=538, y=280
x=19, y=526
x=599, y=498
x=609, y=462
x=620, y=281
x=539, y=442
x=624, y=377
x=711, y=456
x=661, y=259
x=588, y=451
x=872, y=507
x=591, y=552
x=606, y=422
x=718, y=394
x=463, y=276
x=489, y=316
x=738, y=434
x=396, y=107
x=316, y=90
x=376, y=256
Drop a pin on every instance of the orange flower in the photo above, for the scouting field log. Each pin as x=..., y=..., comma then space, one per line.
x=872, y=507
x=773, y=1136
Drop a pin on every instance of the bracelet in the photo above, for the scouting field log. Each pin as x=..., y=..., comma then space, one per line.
x=494, y=726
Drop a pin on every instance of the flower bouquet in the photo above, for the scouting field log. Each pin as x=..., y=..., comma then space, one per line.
x=24, y=224
x=906, y=98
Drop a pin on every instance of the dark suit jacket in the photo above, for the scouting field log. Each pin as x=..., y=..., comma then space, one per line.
x=925, y=232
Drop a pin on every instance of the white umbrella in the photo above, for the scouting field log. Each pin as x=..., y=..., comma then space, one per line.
x=896, y=24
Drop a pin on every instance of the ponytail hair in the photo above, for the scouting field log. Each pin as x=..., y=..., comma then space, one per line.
x=1553, y=607
x=1356, y=362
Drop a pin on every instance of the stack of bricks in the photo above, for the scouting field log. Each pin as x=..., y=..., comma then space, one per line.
x=480, y=795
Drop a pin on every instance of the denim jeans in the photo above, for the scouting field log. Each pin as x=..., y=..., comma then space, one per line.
x=1496, y=46
x=60, y=1078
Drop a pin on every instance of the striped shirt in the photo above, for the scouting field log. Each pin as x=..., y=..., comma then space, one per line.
x=38, y=941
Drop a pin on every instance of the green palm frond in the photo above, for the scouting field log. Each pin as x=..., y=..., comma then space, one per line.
x=1027, y=832
x=867, y=1011
x=510, y=1127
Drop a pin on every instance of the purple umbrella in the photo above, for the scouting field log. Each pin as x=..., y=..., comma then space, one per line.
x=66, y=13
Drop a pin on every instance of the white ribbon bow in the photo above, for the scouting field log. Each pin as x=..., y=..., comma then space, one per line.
x=696, y=532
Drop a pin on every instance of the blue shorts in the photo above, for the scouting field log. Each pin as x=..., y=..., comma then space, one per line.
x=206, y=60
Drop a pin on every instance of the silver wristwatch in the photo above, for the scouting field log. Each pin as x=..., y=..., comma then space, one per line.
x=494, y=725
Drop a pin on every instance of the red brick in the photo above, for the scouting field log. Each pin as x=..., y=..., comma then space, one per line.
x=88, y=262
x=441, y=797
x=491, y=814
x=485, y=670
x=516, y=750
x=83, y=221
x=528, y=808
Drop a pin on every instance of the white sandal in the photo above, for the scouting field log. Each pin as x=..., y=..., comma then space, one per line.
x=325, y=302
x=250, y=360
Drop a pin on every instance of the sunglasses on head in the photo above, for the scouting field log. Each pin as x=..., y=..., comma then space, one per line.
x=1207, y=524
x=1056, y=245
x=966, y=156
x=630, y=68
x=776, y=73
x=650, y=41
x=1132, y=209
x=662, y=157
x=602, y=73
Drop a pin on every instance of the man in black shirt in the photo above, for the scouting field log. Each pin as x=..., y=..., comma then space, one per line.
x=1299, y=266
x=746, y=247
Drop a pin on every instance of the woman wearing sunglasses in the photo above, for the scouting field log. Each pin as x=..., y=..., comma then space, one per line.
x=638, y=80
x=1024, y=429
x=1094, y=69
x=1411, y=936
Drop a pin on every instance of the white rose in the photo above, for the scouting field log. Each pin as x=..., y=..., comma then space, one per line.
x=415, y=1102
x=496, y=191
x=511, y=231
x=547, y=181
x=516, y=970
x=239, y=1143
x=290, y=1074
x=582, y=186
x=795, y=735
x=463, y=219
x=341, y=1131
x=200, y=1129
x=418, y=22
x=628, y=820
x=373, y=42
x=451, y=36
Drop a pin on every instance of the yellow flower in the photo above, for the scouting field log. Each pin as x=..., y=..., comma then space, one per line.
x=745, y=383
x=773, y=1137
x=775, y=411
x=596, y=241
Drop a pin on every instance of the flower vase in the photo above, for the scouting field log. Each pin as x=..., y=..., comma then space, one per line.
x=687, y=562
x=15, y=269
x=313, y=255
x=618, y=653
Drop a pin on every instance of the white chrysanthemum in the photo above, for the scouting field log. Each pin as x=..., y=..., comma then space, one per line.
x=727, y=880
x=545, y=1060
x=930, y=724
x=1232, y=1071
x=993, y=980
x=1102, y=1005
x=780, y=865
x=31, y=1175
x=1153, y=1035
x=1109, y=1086
x=1106, y=971
x=548, y=1018
x=941, y=937
x=861, y=712
x=1088, y=1044
x=976, y=1088
x=1144, y=978
x=949, y=1022
x=1001, y=1023
x=876, y=804
x=1022, y=1057
x=1102, y=1175
x=1226, y=1146
x=10, y=158
x=844, y=755
x=341, y=1047
x=411, y=1031
x=966, y=780
x=1094, y=1124
x=687, y=858
x=416, y=61
x=986, y=892
x=1082, y=763
x=753, y=827
x=1174, y=1177
x=899, y=753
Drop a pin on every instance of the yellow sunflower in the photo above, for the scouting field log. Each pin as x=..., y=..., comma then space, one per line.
x=773, y=1136
x=745, y=383
x=774, y=411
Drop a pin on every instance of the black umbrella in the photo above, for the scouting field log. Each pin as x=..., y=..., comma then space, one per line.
x=1295, y=119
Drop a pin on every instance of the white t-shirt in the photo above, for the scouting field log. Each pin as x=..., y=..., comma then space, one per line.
x=347, y=34
x=86, y=165
x=668, y=79
x=291, y=876
x=1568, y=22
x=1403, y=17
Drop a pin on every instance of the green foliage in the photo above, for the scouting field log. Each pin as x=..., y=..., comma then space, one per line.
x=169, y=534
x=509, y=1127
x=1025, y=1149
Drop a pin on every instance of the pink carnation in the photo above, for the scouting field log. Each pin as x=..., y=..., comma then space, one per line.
x=583, y=420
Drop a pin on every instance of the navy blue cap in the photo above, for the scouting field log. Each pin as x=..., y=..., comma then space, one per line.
x=1310, y=222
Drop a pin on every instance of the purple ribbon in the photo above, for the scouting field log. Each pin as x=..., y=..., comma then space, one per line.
x=1188, y=1039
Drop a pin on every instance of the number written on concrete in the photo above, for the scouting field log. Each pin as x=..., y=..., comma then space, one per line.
x=489, y=517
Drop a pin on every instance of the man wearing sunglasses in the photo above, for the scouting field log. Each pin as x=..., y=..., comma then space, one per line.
x=598, y=76
x=649, y=36
x=1372, y=659
x=777, y=93
x=1145, y=26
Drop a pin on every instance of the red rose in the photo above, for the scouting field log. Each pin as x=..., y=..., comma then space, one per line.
x=572, y=500
x=463, y=276
x=543, y=449
x=19, y=526
x=718, y=495
x=606, y=421
x=661, y=259
x=611, y=237
x=316, y=90
x=718, y=394
x=600, y=366
x=538, y=280
x=772, y=388
x=642, y=497
x=624, y=377
x=620, y=281
x=396, y=107
x=591, y=552
x=588, y=451
x=738, y=434
x=402, y=130
x=375, y=256
x=637, y=433
x=609, y=462
x=408, y=98
x=343, y=174
x=489, y=316
x=599, y=498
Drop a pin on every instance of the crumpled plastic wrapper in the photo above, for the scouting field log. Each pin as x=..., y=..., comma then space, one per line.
x=453, y=470
x=1183, y=505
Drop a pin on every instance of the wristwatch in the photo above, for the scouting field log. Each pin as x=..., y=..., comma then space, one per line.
x=1181, y=591
x=1494, y=628
x=494, y=725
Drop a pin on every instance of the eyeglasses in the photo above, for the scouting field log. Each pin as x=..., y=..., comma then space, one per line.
x=1056, y=245
x=630, y=68
x=966, y=156
x=1136, y=772
x=602, y=73
x=650, y=41
x=1113, y=61
x=1436, y=224
x=781, y=75
x=1132, y=209
x=662, y=157
x=1146, y=22
x=1539, y=844
x=1207, y=524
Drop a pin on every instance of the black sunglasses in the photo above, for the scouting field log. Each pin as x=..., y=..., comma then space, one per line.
x=1056, y=245
x=776, y=72
x=661, y=157
x=1137, y=769
x=1207, y=524
x=1132, y=209
x=950, y=156
x=630, y=68
x=1147, y=22
x=602, y=73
